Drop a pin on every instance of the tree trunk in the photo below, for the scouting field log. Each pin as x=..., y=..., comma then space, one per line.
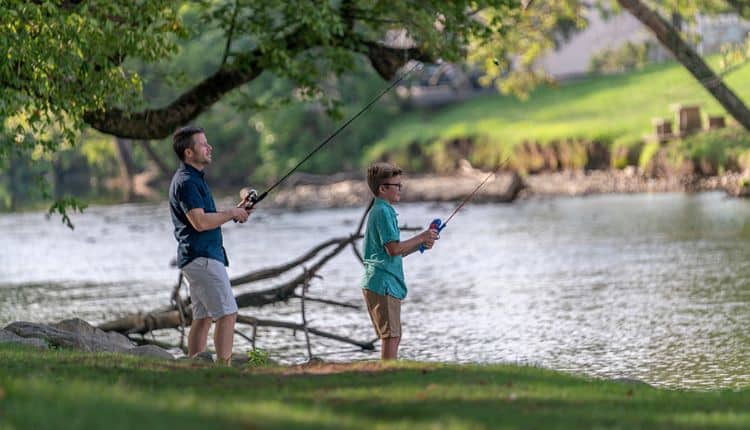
x=12, y=182
x=742, y=7
x=163, y=168
x=672, y=40
x=127, y=167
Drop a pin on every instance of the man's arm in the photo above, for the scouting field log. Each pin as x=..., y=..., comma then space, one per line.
x=202, y=221
x=426, y=238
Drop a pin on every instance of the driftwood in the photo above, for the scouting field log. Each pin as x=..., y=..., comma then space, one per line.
x=179, y=315
x=145, y=323
x=272, y=272
x=366, y=345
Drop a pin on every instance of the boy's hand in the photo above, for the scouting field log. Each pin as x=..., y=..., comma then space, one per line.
x=428, y=238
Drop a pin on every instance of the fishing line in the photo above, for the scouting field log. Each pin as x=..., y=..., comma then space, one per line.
x=251, y=198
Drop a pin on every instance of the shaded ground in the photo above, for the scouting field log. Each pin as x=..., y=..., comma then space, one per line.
x=64, y=390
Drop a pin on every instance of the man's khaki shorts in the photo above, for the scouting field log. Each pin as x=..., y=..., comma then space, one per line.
x=385, y=313
x=210, y=291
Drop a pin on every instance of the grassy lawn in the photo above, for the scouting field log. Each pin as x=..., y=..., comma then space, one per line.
x=615, y=109
x=66, y=390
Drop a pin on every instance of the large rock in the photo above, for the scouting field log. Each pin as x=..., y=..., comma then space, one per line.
x=86, y=330
x=64, y=338
x=77, y=334
x=10, y=337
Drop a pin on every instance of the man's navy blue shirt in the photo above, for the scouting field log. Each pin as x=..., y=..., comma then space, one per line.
x=189, y=191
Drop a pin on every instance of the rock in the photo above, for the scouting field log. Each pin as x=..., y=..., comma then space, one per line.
x=150, y=351
x=64, y=338
x=83, y=328
x=10, y=337
x=203, y=357
x=239, y=360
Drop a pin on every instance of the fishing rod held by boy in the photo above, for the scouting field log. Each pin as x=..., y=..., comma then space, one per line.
x=438, y=225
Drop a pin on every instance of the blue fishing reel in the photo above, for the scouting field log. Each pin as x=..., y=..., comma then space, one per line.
x=436, y=224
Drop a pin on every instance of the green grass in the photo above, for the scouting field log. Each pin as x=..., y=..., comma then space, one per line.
x=614, y=110
x=61, y=390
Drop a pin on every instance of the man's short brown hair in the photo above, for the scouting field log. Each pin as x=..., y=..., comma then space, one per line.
x=379, y=173
x=183, y=139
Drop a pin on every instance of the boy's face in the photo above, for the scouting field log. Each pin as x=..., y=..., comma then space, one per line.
x=391, y=190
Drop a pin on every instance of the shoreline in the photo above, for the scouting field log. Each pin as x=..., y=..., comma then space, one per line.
x=505, y=188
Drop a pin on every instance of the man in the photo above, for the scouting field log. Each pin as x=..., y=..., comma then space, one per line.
x=200, y=253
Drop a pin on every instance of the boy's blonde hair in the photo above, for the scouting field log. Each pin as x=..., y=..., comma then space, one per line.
x=379, y=173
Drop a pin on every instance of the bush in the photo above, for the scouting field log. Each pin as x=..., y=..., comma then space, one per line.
x=630, y=56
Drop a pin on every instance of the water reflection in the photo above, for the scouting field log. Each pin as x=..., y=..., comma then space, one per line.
x=653, y=287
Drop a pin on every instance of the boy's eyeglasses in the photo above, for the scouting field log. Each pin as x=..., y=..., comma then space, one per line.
x=394, y=185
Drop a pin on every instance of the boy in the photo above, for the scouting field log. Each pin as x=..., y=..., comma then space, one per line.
x=383, y=285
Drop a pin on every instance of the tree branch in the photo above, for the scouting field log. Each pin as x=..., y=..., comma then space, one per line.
x=230, y=34
x=161, y=122
x=272, y=272
x=295, y=326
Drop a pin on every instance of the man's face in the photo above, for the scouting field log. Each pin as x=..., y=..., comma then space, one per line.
x=200, y=152
x=391, y=190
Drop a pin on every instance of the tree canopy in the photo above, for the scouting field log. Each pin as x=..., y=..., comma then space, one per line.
x=127, y=68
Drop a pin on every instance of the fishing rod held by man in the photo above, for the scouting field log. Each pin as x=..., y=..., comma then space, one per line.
x=248, y=202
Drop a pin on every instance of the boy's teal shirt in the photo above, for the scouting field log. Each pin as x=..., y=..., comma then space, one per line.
x=384, y=274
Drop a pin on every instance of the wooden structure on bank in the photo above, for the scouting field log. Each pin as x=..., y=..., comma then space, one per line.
x=689, y=121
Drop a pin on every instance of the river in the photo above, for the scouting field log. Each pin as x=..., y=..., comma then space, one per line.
x=654, y=287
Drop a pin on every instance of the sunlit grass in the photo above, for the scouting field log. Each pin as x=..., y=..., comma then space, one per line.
x=604, y=109
x=62, y=390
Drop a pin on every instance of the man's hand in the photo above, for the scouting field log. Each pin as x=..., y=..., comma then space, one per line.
x=240, y=214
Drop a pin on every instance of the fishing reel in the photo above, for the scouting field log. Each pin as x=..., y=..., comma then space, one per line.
x=248, y=197
x=437, y=225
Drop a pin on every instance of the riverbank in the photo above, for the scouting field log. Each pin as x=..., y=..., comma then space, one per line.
x=73, y=390
x=506, y=187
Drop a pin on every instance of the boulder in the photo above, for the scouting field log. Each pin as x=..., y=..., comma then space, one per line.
x=86, y=330
x=10, y=337
x=64, y=338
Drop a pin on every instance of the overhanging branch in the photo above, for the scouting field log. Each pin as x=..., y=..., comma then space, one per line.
x=161, y=122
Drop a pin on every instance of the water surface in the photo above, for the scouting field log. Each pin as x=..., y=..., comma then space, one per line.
x=653, y=287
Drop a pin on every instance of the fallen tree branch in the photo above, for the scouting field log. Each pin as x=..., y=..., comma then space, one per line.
x=272, y=272
x=141, y=324
x=242, y=319
x=327, y=301
x=284, y=291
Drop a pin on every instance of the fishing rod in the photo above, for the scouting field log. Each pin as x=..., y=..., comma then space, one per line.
x=438, y=225
x=250, y=197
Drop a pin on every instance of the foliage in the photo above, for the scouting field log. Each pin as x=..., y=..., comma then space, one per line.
x=629, y=56
x=720, y=147
x=307, y=66
x=62, y=389
x=62, y=59
x=65, y=58
x=61, y=207
x=510, y=55
x=258, y=358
